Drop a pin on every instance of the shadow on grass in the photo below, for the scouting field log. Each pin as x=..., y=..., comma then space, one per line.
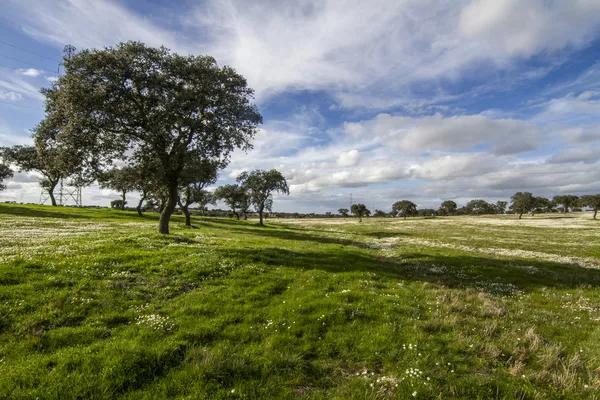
x=75, y=213
x=455, y=271
x=277, y=232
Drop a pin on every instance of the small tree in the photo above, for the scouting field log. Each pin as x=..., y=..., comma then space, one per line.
x=380, y=214
x=5, y=173
x=260, y=186
x=567, y=201
x=343, y=212
x=591, y=201
x=479, y=207
x=360, y=210
x=234, y=196
x=522, y=203
x=122, y=180
x=448, y=207
x=404, y=208
x=191, y=194
x=501, y=206
x=540, y=205
x=118, y=204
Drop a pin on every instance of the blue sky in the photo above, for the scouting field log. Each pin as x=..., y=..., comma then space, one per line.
x=388, y=100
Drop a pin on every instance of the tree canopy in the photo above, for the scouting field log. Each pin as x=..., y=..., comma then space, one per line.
x=566, y=201
x=360, y=210
x=591, y=201
x=522, y=203
x=234, y=196
x=404, y=208
x=448, y=207
x=260, y=186
x=343, y=212
x=149, y=105
x=5, y=173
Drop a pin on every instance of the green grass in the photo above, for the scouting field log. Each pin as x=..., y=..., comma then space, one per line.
x=95, y=304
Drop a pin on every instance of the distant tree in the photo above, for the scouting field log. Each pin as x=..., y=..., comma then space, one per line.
x=540, y=205
x=136, y=102
x=328, y=214
x=522, y=203
x=566, y=201
x=360, y=210
x=193, y=182
x=118, y=204
x=501, y=206
x=479, y=207
x=260, y=186
x=591, y=201
x=5, y=173
x=122, y=180
x=404, y=208
x=448, y=207
x=343, y=212
x=194, y=193
x=234, y=196
x=425, y=212
x=380, y=214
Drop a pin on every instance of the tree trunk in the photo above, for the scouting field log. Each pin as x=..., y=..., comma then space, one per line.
x=123, y=199
x=188, y=217
x=52, y=199
x=139, y=206
x=595, y=212
x=520, y=215
x=169, y=207
x=245, y=216
x=565, y=208
x=260, y=215
x=533, y=213
x=51, y=193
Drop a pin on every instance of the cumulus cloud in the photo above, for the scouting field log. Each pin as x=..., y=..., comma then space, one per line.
x=586, y=155
x=504, y=136
x=349, y=158
x=30, y=72
x=526, y=28
x=10, y=96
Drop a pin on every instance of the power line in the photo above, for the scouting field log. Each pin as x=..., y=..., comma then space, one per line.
x=23, y=62
x=29, y=51
x=17, y=105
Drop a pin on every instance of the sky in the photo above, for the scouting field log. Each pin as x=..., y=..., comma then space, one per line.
x=384, y=100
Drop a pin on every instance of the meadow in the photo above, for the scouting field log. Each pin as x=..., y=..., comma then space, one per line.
x=95, y=304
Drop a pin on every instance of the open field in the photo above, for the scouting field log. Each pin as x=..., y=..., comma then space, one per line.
x=95, y=304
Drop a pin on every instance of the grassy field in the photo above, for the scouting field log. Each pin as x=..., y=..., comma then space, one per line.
x=95, y=304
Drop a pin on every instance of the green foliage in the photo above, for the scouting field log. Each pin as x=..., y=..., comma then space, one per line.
x=566, y=201
x=522, y=203
x=235, y=197
x=591, y=201
x=260, y=186
x=360, y=210
x=343, y=212
x=5, y=173
x=97, y=305
x=151, y=106
x=404, y=208
x=448, y=207
x=479, y=207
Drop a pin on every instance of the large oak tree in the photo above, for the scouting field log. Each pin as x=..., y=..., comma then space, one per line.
x=150, y=105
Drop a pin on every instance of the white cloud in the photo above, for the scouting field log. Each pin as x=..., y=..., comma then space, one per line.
x=430, y=133
x=364, y=53
x=30, y=72
x=586, y=155
x=10, y=96
x=524, y=28
x=349, y=158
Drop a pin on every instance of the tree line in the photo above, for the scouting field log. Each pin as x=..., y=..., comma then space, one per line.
x=137, y=118
x=521, y=203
